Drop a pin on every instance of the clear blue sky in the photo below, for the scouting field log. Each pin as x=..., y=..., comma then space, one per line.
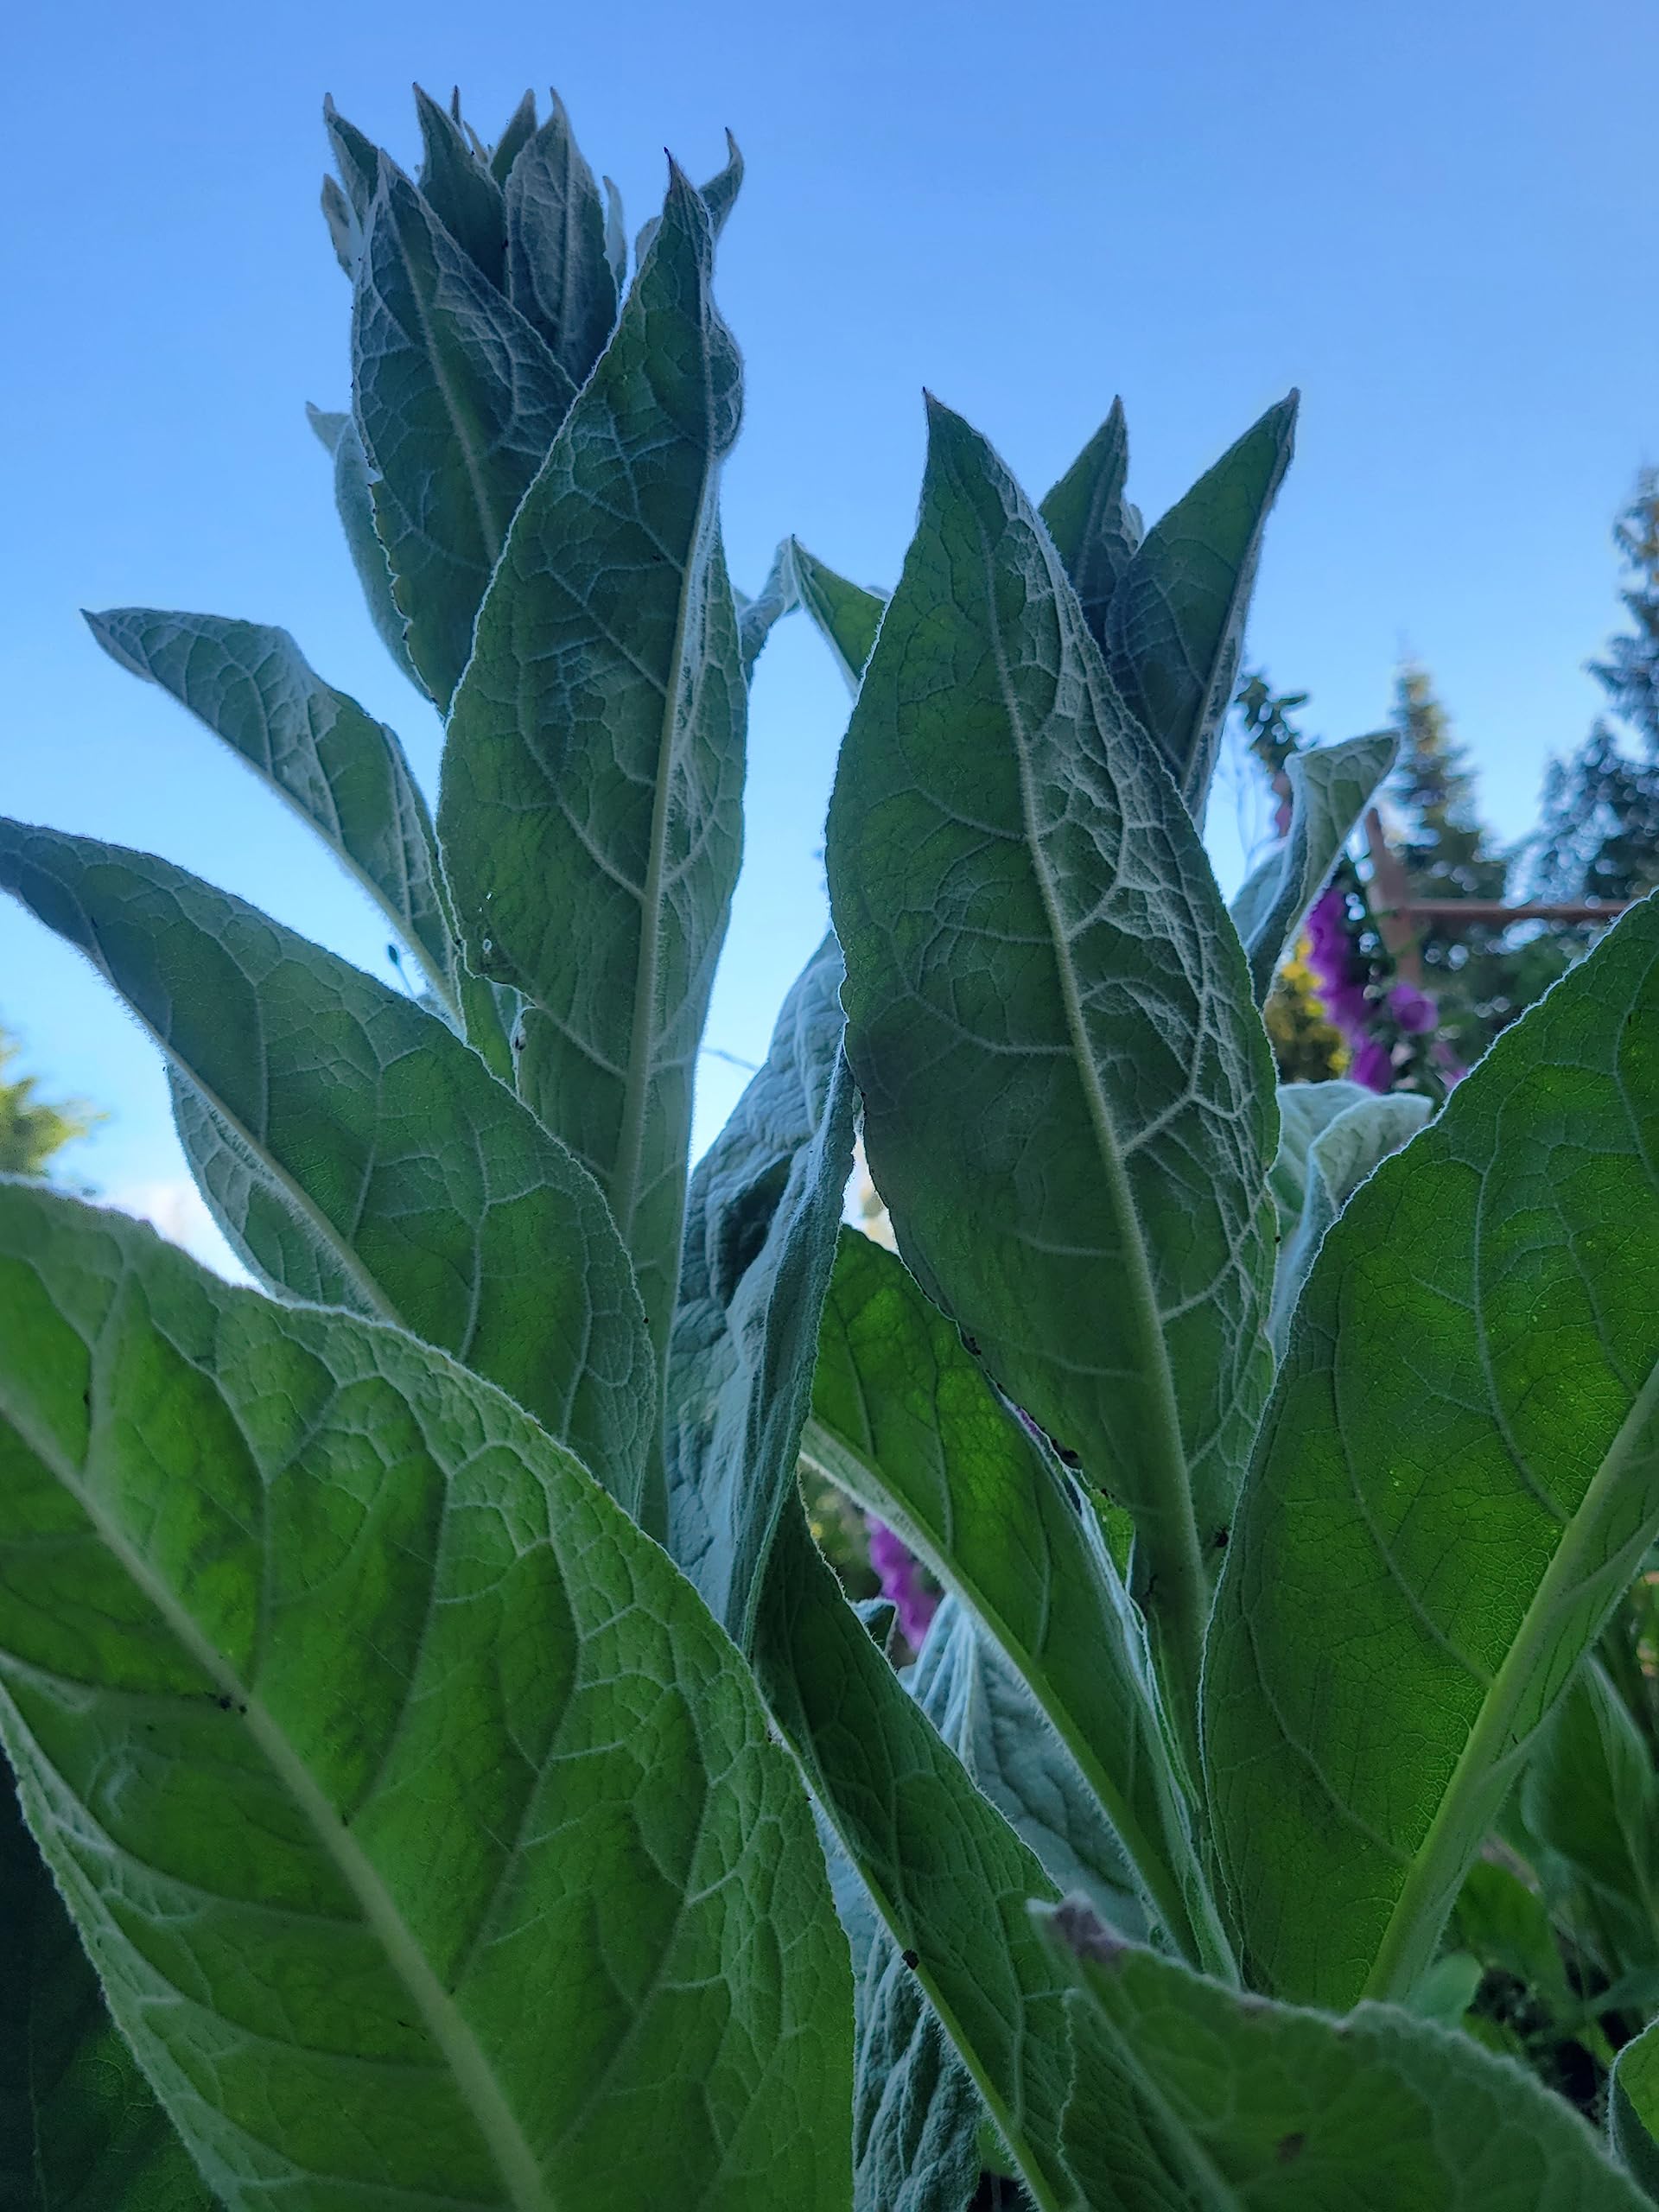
x=1435, y=217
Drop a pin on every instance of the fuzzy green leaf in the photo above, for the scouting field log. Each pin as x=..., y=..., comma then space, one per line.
x=775, y=598
x=356, y=156
x=80, y=2130
x=372, y=1137
x=1455, y=1482
x=1305, y=1109
x=1095, y=530
x=760, y=1240
x=460, y=191
x=1048, y=1009
x=457, y=401
x=338, y=769
x=590, y=812
x=345, y=233
x=1176, y=624
x=559, y=276
x=1633, y=2110
x=521, y=129
x=1329, y=791
x=354, y=504
x=1338, y=1160
x=846, y=614
x=342, y=1702
x=1190, y=2098
x=905, y=1420
x=948, y=1876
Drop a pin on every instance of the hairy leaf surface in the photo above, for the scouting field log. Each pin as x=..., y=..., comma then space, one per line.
x=457, y=401
x=1049, y=1010
x=1458, y=1477
x=338, y=769
x=775, y=598
x=591, y=804
x=362, y=1130
x=1633, y=2110
x=1094, y=528
x=343, y=1701
x=946, y=1873
x=904, y=1419
x=1189, y=2098
x=1330, y=790
x=1338, y=1160
x=760, y=1240
x=559, y=276
x=354, y=504
x=1175, y=626
x=460, y=191
x=916, y=2113
x=80, y=2130
x=847, y=615
x=1305, y=1109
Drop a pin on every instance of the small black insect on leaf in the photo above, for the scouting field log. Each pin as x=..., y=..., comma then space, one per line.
x=912, y=1960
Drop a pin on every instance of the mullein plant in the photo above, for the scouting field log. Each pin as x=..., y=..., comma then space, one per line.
x=447, y=1773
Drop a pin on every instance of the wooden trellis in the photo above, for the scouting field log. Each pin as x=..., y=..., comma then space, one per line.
x=1398, y=914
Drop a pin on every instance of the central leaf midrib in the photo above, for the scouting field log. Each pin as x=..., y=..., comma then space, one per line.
x=820, y=1443
x=480, y=2092
x=1425, y=1875
x=1176, y=1510
x=625, y=1180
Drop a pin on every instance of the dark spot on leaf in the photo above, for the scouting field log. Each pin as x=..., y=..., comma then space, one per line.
x=1069, y=1459
x=1290, y=2146
x=971, y=1345
x=87, y=1400
x=223, y=1703
x=1220, y=1539
x=912, y=1960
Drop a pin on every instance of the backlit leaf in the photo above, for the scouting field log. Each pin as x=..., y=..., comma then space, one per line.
x=1456, y=1481
x=343, y=1702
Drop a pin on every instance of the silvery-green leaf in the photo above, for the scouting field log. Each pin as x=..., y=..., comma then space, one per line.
x=559, y=276
x=590, y=812
x=989, y=1719
x=1068, y=1103
x=421, y=1180
x=521, y=129
x=457, y=401
x=761, y=1219
x=756, y=616
x=916, y=2113
x=345, y=231
x=1633, y=2110
x=719, y=194
x=343, y=1702
x=1456, y=1481
x=80, y=2130
x=355, y=505
x=357, y=158
x=1175, y=626
x=460, y=190
x=947, y=1875
x=616, y=235
x=1094, y=529
x=1339, y=1158
x=1190, y=2097
x=1329, y=791
x=1305, y=1109
x=905, y=1420
x=846, y=614
x=338, y=769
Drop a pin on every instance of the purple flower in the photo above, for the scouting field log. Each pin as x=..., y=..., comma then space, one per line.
x=1373, y=1065
x=901, y=1582
x=1414, y=1011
